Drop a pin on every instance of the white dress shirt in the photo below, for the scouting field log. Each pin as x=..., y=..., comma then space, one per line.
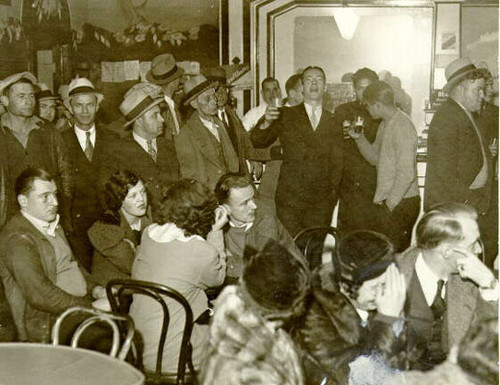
x=81, y=135
x=46, y=228
x=318, y=110
x=171, y=106
x=428, y=280
x=212, y=127
x=144, y=142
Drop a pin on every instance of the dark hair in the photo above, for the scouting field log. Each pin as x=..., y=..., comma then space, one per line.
x=441, y=223
x=228, y=181
x=364, y=73
x=189, y=205
x=269, y=79
x=313, y=68
x=478, y=352
x=116, y=188
x=379, y=91
x=6, y=90
x=25, y=180
x=293, y=82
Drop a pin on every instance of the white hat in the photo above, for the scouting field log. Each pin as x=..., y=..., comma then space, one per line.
x=9, y=80
x=81, y=86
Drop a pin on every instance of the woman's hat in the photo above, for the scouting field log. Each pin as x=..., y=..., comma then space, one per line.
x=137, y=101
x=163, y=69
x=196, y=85
x=81, y=86
x=456, y=71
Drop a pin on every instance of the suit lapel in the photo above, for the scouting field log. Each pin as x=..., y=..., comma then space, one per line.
x=140, y=151
x=205, y=141
x=75, y=144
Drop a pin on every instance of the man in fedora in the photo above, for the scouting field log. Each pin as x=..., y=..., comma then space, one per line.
x=87, y=143
x=165, y=73
x=459, y=164
x=203, y=146
x=47, y=103
x=28, y=141
x=145, y=151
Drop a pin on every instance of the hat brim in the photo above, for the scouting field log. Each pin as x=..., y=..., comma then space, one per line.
x=199, y=89
x=98, y=95
x=178, y=73
x=22, y=75
x=155, y=103
x=48, y=98
x=453, y=82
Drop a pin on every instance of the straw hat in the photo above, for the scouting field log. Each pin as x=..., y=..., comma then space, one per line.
x=456, y=71
x=195, y=86
x=81, y=86
x=163, y=69
x=136, y=102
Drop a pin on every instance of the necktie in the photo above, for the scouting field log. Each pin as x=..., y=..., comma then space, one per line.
x=438, y=305
x=151, y=150
x=174, y=119
x=89, y=148
x=314, y=118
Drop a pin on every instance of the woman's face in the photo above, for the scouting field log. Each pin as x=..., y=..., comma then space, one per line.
x=136, y=201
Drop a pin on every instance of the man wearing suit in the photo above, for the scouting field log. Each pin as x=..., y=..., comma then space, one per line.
x=449, y=287
x=203, y=146
x=459, y=164
x=312, y=156
x=87, y=144
x=144, y=151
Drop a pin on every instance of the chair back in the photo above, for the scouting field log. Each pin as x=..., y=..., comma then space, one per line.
x=119, y=291
x=311, y=239
x=114, y=321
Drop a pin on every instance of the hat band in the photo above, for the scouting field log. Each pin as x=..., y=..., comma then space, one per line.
x=199, y=88
x=82, y=90
x=45, y=94
x=462, y=70
x=138, y=109
x=165, y=75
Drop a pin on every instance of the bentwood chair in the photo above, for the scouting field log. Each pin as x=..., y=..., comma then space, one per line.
x=119, y=293
x=310, y=242
x=122, y=327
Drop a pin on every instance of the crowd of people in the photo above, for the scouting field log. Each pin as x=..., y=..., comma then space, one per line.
x=208, y=203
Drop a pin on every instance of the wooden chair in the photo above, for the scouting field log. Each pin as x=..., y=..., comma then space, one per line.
x=309, y=239
x=114, y=321
x=119, y=292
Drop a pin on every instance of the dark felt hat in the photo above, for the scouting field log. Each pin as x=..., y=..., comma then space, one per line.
x=163, y=69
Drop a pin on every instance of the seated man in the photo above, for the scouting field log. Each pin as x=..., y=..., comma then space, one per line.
x=40, y=275
x=357, y=311
x=249, y=229
x=449, y=288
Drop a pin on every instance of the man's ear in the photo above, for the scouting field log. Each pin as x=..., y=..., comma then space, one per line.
x=70, y=107
x=22, y=200
x=445, y=249
x=5, y=100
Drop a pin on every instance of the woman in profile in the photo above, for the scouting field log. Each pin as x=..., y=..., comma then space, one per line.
x=116, y=235
x=183, y=251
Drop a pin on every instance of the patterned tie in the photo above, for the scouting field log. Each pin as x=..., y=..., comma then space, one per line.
x=89, y=148
x=314, y=117
x=438, y=305
x=151, y=150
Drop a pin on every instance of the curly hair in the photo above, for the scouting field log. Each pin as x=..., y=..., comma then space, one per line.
x=189, y=205
x=114, y=193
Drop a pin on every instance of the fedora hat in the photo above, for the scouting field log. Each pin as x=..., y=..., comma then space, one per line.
x=195, y=86
x=136, y=102
x=163, y=69
x=216, y=74
x=9, y=80
x=45, y=93
x=80, y=86
x=456, y=71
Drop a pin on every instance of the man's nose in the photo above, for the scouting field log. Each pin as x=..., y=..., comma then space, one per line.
x=53, y=200
x=252, y=204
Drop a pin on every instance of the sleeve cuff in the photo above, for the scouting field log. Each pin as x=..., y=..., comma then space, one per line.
x=489, y=294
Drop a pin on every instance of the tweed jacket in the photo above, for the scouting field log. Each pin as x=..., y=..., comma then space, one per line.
x=464, y=303
x=85, y=205
x=114, y=245
x=454, y=159
x=312, y=159
x=128, y=154
x=199, y=153
x=28, y=269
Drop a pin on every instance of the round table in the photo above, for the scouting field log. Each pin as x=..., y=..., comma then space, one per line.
x=27, y=364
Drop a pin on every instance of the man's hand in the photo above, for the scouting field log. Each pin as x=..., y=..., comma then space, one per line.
x=221, y=218
x=99, y=292
x=272, y=113
x=471, y=267
x=390, y=298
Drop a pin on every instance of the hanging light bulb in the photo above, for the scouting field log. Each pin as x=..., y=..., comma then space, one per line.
x=347, y=21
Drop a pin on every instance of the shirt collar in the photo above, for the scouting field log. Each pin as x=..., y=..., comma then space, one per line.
x=34, y=122
x=206, y=122
x=309, y=108
x=142, y=142
x=246, y=226
x=428, y=279
x=48, y=228
x=82, y=132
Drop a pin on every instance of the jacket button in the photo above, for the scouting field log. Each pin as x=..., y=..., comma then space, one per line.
x=78, y=215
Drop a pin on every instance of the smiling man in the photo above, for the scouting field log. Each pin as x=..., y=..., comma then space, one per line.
x=249, y=229
x=312, y=157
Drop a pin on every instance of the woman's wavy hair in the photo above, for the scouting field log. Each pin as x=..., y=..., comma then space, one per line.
x=189, y=205
x=115, y=190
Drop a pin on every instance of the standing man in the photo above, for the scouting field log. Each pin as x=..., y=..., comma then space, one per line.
x=87, y=145
x=144, y=151
x=459, y=166
x=29, y=141
x=46, y=103
x=312, y=156
x=165, y=73
x=359, y=177
x=204, y=147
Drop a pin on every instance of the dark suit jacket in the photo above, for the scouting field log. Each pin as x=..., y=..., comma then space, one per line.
x=454, y=159
x=128, y=154
x=85, y=205
x=243, y=146
x=312, y=160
